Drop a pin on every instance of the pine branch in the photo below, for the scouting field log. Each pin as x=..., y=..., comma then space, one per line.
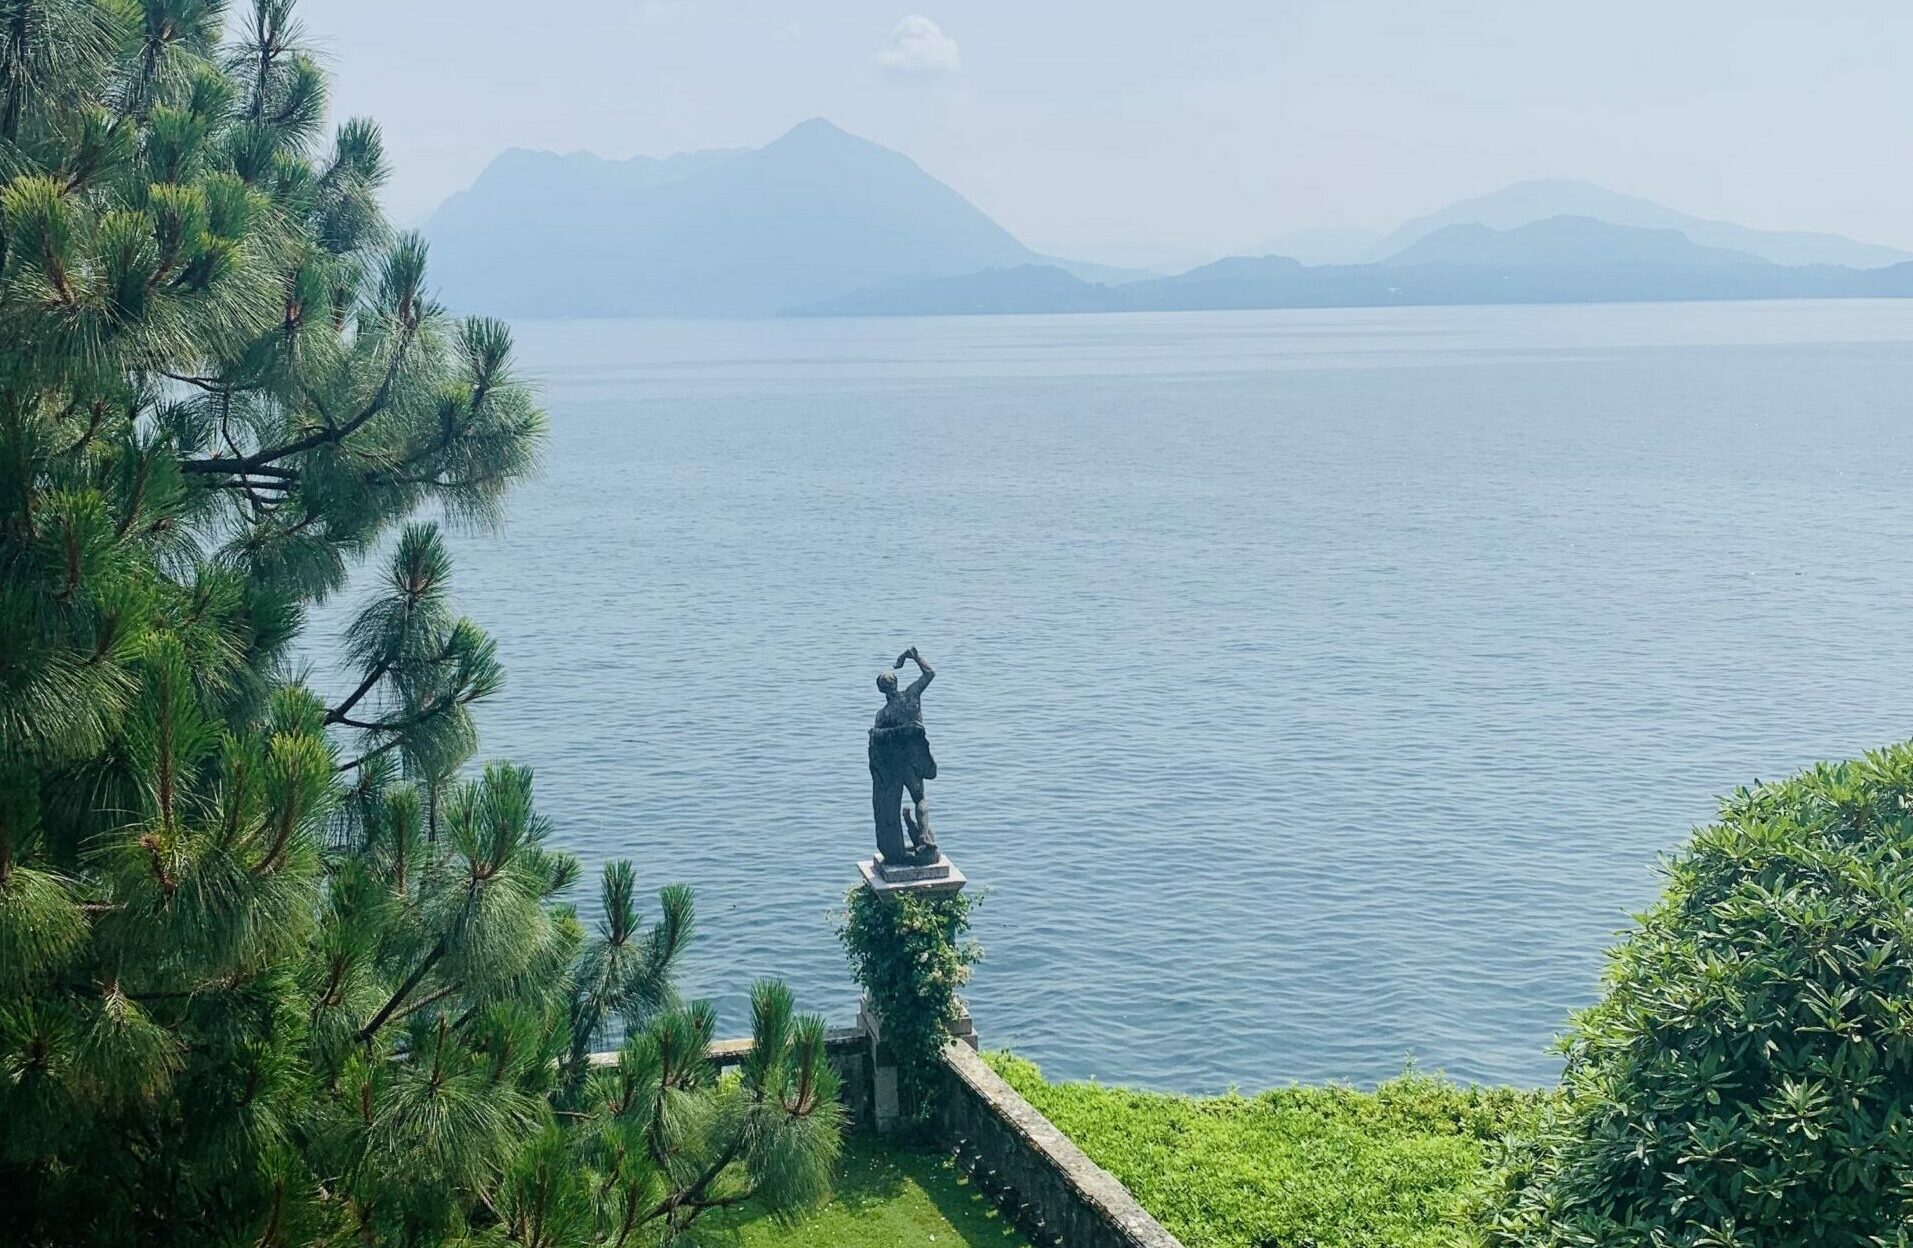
x=412, y=981
x=329, y=433
x=405, y=724
x=269, y=863
x=691, y=1196
x=98, y=414
x=212, y=385
x=363, y=759
x=428, y=1000
x=337, y=714
x=399, y=726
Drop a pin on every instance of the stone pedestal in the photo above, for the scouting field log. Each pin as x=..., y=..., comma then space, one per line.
x=887, y=879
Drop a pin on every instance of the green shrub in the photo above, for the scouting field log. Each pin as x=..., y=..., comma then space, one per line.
x=1328, y=1167
x=1746, y=1079
x=910, y=953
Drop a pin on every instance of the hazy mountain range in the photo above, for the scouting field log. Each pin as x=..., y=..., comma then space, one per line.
x=1526, y=202
x=820, y=222
x=721, y=233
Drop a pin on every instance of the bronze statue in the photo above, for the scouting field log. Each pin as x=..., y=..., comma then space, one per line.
x=900, y=762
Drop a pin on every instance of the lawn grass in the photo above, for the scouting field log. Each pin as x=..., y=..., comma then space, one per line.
x=1331, y=1167
x=887, y=1195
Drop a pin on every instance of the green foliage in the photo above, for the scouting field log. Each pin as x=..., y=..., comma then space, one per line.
x=274, y=971
x=1331, y=1167
x=1747, y=1078
x=911, y=953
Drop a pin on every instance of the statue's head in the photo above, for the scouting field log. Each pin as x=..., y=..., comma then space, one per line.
x=887, y=682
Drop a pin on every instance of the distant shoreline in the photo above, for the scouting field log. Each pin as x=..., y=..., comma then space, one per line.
x=794, y=316
x=1275, y=282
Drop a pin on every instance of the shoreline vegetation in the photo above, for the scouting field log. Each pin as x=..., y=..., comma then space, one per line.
x=1404, y=1165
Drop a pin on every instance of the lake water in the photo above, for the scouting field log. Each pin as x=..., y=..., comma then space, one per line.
x=1314, y=688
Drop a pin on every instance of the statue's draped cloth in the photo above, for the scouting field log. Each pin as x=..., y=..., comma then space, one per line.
x=901, y=752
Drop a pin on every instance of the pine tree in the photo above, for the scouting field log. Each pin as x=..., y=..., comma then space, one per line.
x=276, y=971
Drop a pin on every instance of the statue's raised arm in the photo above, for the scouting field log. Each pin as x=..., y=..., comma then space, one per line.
x=925, y=673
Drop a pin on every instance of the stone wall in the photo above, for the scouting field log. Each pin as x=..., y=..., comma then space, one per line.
x=1048, y=1185
x=849, y=1051
x=1012, y=1153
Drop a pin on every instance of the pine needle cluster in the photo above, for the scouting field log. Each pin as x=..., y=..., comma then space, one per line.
x=274, y=970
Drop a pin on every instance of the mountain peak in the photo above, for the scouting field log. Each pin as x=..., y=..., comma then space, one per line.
x=817, y=132
x=1550, y=184
x=814, y=214
x=1564, y=240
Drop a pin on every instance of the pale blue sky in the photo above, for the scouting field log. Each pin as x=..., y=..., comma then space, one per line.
x=1214, y=124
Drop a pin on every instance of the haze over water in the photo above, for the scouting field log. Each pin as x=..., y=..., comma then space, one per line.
x=1314, y=688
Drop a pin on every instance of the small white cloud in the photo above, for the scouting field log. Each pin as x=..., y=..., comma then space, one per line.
x=919, y=47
